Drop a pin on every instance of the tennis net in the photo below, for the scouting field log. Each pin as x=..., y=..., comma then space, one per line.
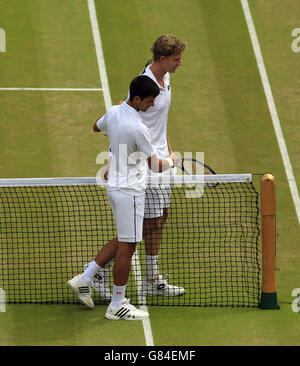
x=51, y=227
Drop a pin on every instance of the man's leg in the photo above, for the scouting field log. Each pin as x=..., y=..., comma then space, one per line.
x=152, y=231
x=155, y=284
x=119, y=308
x=107, y=253
x=96, y=273
x=122, y=265
x=121, y=270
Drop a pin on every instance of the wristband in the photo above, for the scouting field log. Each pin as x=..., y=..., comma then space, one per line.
x=170, y=161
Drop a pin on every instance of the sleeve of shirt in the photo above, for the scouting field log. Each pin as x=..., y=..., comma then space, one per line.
x=102, y=123
x=143, y=141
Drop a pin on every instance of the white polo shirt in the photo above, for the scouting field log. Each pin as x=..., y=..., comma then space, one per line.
x=156, y=118
x=130, y=146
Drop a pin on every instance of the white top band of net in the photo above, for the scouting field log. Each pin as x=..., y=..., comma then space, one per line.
x=175, y=180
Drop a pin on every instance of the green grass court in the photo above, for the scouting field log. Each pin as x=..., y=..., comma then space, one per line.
x=218, y=107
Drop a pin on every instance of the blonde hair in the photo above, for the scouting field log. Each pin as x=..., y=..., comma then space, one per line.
x=167, y=45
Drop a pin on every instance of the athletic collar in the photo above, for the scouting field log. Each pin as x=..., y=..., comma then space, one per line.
x=130, y=109
x=151, y=75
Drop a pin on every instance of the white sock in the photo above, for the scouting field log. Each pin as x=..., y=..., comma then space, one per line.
x=90, y=272
x=118, y=295
x=152, y=271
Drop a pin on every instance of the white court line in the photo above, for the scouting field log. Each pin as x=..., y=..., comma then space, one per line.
x=99, y=54
x=272, y=108
x=107, y=100
x=54, y=89
x=142, y=299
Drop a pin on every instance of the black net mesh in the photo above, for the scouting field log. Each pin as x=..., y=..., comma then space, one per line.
x=209, y=245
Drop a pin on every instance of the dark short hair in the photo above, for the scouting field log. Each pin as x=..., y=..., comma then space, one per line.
x=143, y=87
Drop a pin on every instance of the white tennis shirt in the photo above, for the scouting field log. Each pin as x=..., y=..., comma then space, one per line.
x=130, y=146
x=156, y=118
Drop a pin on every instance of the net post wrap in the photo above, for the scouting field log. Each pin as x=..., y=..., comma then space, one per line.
x=268, y=223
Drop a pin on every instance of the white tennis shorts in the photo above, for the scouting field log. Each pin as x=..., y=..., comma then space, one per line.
x=128, y=211
x=156, y=199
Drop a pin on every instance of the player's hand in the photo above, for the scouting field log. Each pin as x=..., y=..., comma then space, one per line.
x=104, y=173
x=175, y=159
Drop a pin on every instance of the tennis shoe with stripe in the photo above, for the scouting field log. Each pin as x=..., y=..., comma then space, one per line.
x=101, y=282
x=125, y=312
x=81, y=290
x=160, y=287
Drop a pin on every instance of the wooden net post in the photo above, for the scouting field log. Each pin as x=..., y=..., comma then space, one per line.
x=268, y=215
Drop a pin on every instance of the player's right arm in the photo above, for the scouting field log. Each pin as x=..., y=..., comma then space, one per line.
x=160, y=165
x=98, y=126
x=95, y=127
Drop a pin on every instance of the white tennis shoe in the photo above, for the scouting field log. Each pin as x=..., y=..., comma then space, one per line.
x=101, y=282
x=82, y=291
x=125, y=312
x=160, y=287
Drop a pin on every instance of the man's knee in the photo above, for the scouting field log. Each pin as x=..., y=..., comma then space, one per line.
x=153, y=224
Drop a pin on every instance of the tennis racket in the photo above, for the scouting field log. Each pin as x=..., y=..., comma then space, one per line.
x=193, y=167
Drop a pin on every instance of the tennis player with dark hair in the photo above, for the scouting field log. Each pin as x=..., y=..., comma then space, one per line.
x=167, y=53
x=126, y=185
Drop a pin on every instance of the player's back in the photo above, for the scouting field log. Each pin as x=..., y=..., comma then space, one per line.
x=122, y=126
x=129, y=146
